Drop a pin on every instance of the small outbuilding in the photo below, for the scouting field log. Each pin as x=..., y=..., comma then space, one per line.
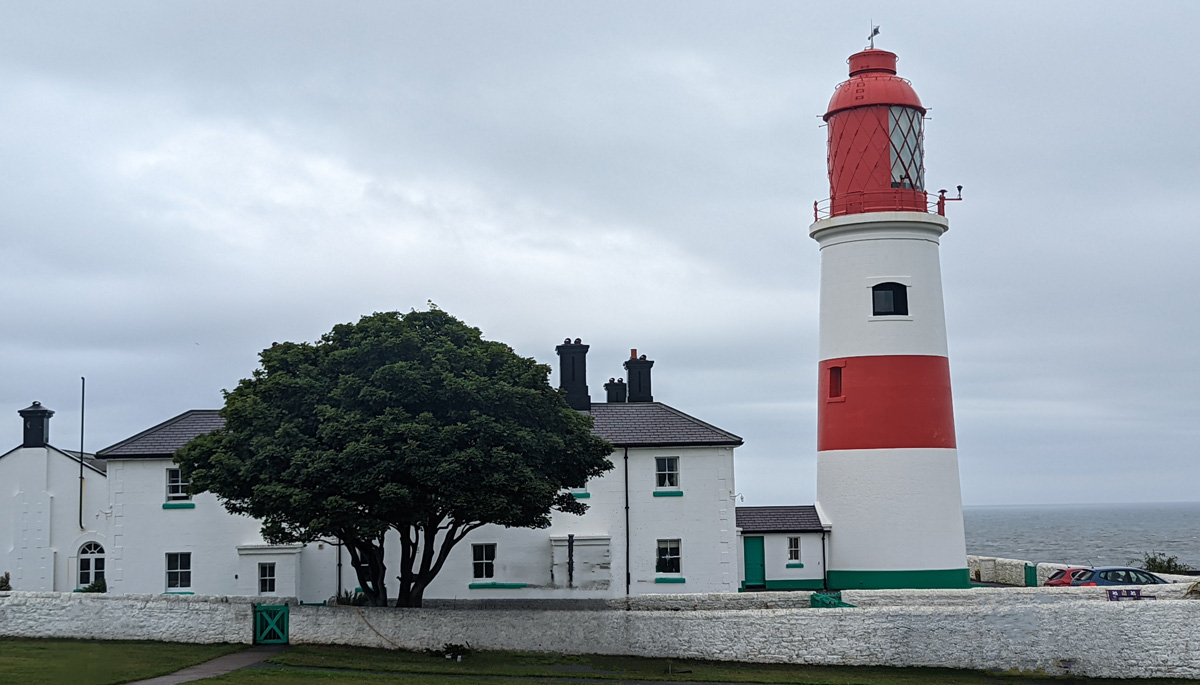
x=783, y=548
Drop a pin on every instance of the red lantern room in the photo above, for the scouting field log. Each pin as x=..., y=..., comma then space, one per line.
x=876, y=140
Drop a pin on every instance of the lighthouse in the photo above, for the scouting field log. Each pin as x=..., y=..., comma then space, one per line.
x=887, y=462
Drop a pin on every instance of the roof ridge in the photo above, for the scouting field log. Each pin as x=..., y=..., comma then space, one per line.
x=153, y=429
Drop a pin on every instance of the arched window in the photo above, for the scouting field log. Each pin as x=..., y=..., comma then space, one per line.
x=91, y=563
x=890, y=299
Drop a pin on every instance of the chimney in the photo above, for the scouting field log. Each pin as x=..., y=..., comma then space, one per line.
x=616, y=389
x=37, y=425
x=639, y=377
x=572, y=373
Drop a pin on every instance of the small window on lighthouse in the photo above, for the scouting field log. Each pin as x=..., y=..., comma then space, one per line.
x=890, y=299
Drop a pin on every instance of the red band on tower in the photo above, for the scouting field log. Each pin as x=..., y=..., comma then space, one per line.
x=886, y=402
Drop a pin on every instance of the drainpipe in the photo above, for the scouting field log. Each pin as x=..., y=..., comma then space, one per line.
x=824, y=566
x=82, y=396
x=627, y=576
x=339, y=569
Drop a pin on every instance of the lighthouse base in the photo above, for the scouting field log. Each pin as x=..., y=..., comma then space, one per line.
x=895, y=516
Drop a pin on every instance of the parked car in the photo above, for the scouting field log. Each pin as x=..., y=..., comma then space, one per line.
x=1064, y=577
x=1116, y=575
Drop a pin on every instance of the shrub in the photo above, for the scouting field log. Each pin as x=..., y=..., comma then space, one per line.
x=1158, y=562
x=5, y=584
x=348, y=598
x=97, y=585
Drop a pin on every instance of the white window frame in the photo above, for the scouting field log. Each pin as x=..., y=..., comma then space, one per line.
x=678, y=556
x=483, y=566
x=183, y=571
x=266, y=574
x=663, y=476
x=793, y=548
x=177, y=486
x=90, y=557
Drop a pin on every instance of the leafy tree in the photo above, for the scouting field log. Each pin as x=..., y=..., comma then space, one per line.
x=410, y=422
x=1159, y=562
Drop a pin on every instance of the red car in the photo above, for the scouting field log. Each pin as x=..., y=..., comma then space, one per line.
x=1064, y=577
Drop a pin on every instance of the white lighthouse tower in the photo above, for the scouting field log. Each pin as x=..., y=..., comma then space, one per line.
x=887, y=463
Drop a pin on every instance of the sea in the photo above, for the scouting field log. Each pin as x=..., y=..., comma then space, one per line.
x=1085, y=534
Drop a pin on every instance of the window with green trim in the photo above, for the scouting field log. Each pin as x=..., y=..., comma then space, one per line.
x=669, y=557
x=177, y=487
x=484, y=560
x=793, y=549
x=179, y=570
x=666, y=472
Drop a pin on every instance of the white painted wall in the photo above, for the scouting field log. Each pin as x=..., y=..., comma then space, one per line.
x=40, y=534
x=862, y=250
x=898, y=509
x=143, y=532
x=775, y=553
x=702, y=518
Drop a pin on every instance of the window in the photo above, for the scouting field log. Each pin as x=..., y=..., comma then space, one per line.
x=179, y=570
x=905, y=126
x=484, y=560
x=666, y=472
x=176, y=486
x=890, y=299
x=91, y=563
x=835, y=382
x=266, y=578
x=793, y=549
x=668, y=557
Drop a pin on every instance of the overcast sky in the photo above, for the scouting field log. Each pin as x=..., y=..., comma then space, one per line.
x=184, y=183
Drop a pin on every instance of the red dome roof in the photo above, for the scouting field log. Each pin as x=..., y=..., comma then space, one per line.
x=873, y=81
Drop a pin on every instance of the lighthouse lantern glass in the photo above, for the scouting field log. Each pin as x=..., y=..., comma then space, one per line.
x=906, y=129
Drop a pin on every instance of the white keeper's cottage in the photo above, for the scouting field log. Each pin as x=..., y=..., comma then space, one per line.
x=662, y=520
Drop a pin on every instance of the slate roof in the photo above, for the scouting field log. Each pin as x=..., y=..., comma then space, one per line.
x=161, y=441
x=796, y=519
x=650, y=424
x=88, y=458
x=626, y=424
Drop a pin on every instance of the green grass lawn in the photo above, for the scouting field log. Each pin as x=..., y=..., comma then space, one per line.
x=95, y=662
x=538, y=665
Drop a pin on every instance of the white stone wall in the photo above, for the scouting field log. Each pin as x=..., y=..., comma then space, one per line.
x=1083, y=638
x=1056, y=630
x=127, y=617
x=1012, y=571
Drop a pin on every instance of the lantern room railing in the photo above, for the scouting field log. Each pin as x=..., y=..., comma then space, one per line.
x=889, y=200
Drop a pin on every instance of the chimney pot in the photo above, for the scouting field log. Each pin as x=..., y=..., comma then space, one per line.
x=616, y=390
x=572, y=373
x=638, y=369
x=36, y=420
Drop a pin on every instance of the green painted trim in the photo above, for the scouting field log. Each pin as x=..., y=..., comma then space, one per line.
x=581, y=495
x=668, y=493
x=669, y=579
x=178, y=593
x=931, y=579
x=497, y=586
x=179, y=505
x=314, y=604
x=795, y=564
x=803, y=584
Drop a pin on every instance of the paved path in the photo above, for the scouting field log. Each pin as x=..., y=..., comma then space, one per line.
x=219, y=666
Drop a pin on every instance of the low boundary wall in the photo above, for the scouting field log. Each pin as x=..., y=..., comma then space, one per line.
x=166, y=618
x=1052, y=630
x=1012, y=571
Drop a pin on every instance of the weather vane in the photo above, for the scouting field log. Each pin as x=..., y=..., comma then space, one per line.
x=874, y=32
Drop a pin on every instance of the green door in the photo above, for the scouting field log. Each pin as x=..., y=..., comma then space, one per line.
x=756, y=567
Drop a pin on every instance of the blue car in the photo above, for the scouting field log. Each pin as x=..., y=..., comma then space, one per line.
x=1115, y=575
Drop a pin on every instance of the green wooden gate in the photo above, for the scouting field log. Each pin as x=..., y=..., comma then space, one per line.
x=1030, y=575
x=270, y=624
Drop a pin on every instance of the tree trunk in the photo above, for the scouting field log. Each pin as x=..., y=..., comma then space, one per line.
x=366, y=556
